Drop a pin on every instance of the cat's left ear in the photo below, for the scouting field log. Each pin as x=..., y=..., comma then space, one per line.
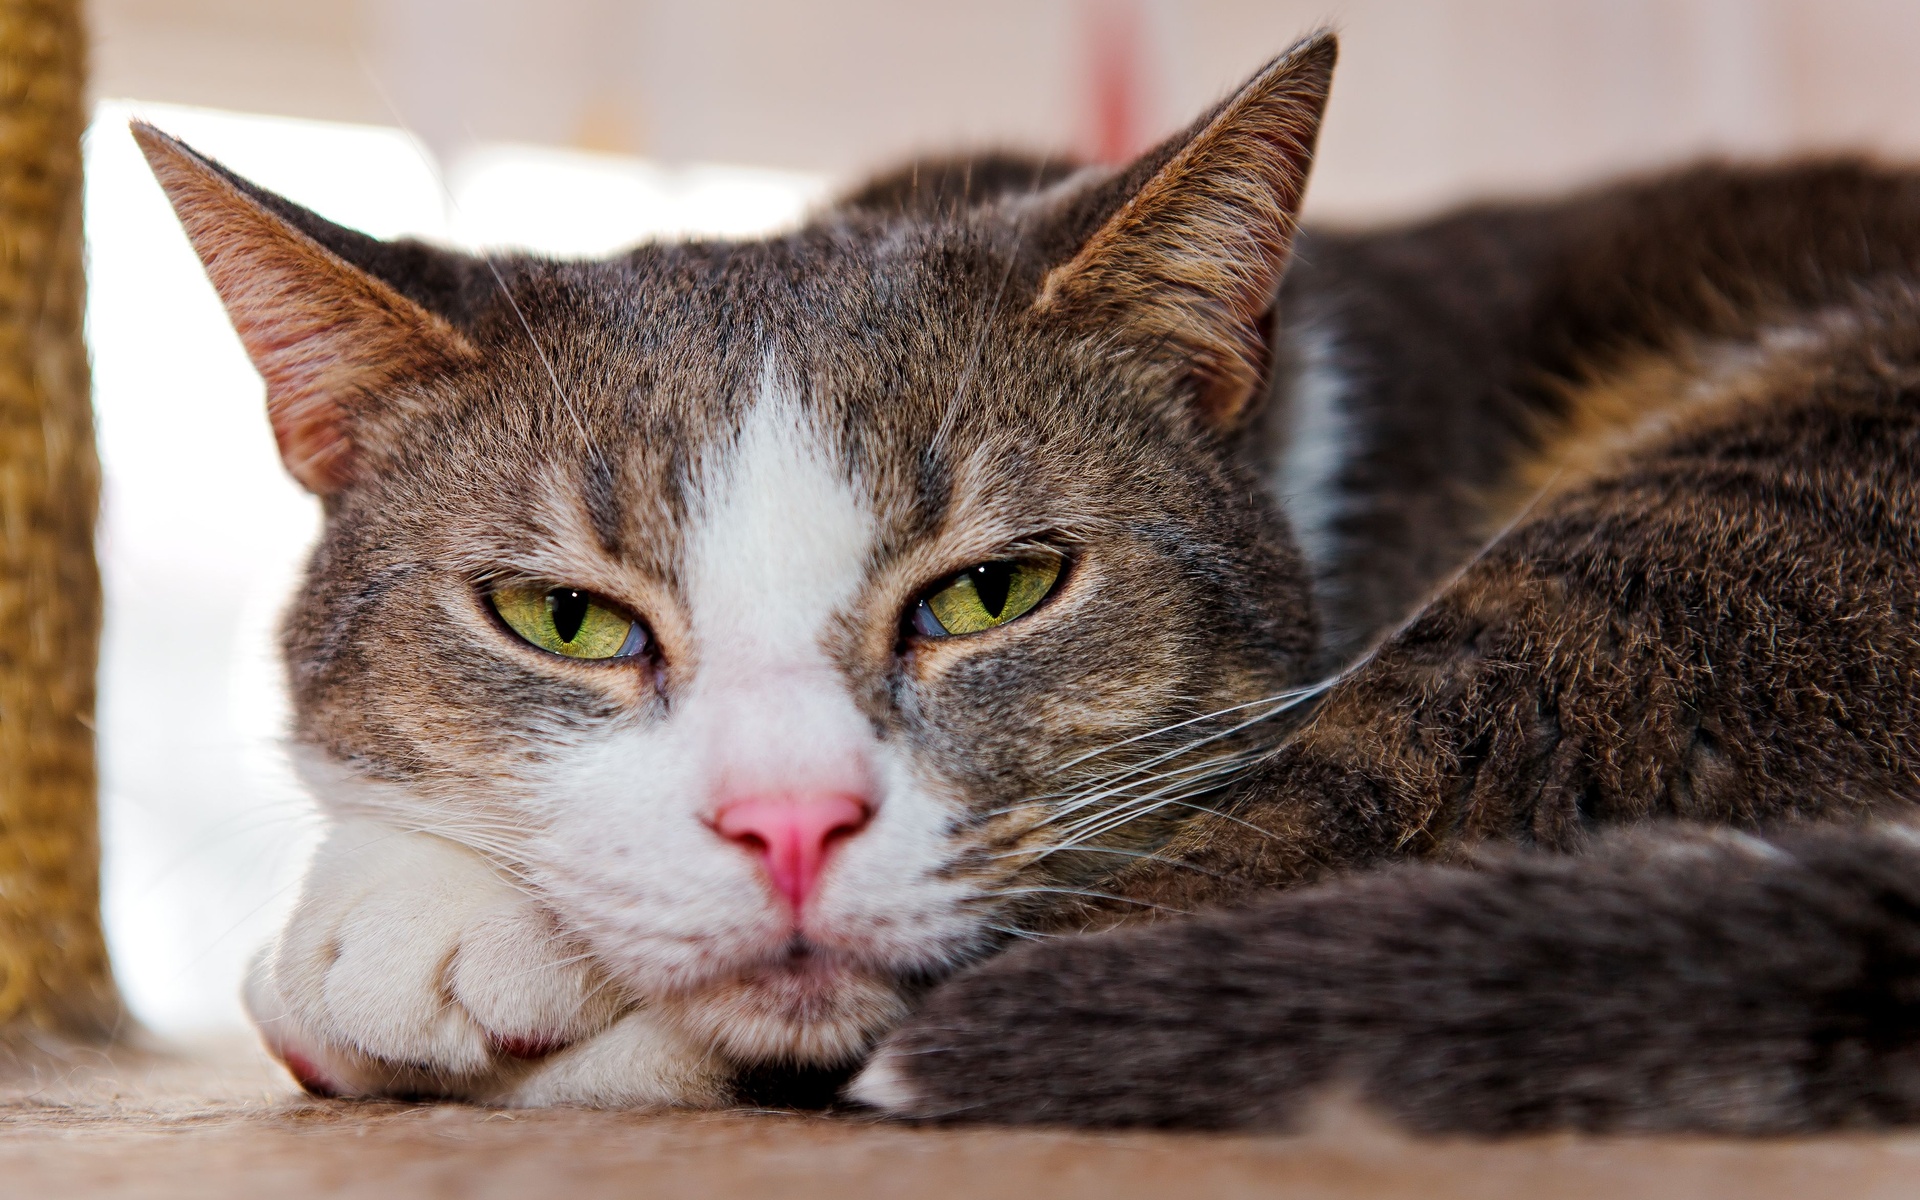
x=1190, y=263
x=335, y=343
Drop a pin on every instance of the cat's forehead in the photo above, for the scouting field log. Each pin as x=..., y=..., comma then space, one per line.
x=636, y=392
x=687, y=329
x=883, y=341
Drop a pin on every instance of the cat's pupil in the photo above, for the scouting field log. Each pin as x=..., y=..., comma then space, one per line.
x=992, y=582
x=569, y=609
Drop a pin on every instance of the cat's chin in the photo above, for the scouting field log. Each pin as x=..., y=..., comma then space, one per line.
x=801, y=1012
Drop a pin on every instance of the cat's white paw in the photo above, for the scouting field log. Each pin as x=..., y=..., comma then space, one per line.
x=637, y=1062
x=883, y=1085
x=411, y=966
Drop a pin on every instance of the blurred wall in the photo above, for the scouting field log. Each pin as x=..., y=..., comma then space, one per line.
x=1436, y=99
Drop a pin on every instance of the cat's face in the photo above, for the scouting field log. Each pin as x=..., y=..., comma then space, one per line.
x=798, y=619
x=771, y=509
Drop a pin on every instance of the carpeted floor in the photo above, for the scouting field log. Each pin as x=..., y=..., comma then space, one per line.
x=222, y=1122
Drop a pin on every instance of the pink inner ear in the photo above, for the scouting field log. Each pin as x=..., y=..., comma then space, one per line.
x=1193, y=259
x=329, y=339
x=311, y=431
x=324, y=337
x=303, y=340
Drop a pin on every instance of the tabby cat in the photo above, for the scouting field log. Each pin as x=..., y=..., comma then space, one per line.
x=716, y=656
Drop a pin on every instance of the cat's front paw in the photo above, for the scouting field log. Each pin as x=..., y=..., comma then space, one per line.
x=412, y=967
x=1670, y=979
x=964, y=1055
x=639, y=1061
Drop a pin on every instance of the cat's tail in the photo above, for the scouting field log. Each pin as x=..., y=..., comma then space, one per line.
x=1673, y=979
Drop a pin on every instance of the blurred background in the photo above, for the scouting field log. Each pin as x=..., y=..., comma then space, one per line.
x=578, y=126
x=1436, y=99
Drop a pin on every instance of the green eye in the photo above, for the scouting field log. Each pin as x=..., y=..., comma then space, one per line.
x=569, y=622
x=987, y=596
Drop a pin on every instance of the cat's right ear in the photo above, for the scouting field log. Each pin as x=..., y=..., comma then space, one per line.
x=1192, y=240
x=332, y=341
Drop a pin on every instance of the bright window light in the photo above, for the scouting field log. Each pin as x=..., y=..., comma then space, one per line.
x=563, y=202
x=202, y=533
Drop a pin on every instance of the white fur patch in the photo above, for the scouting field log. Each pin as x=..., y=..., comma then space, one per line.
x=776, y=556
x=779, y=548
x=407, y=949
x=782, y=539
x=880, y=1084
x=638, y=1062
x=1319, y=439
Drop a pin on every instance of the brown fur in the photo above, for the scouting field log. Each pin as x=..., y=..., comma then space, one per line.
x=1697, y=612
x=1688, y=410
x=1192, y=260
x=1678, y=980
x=550, y=431
x=1697, y=622
x=1465, y=336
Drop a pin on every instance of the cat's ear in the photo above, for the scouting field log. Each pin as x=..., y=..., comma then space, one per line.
x=1190, y=260
x=331, y=340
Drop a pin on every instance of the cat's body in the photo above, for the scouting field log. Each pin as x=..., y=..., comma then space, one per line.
x=945, y=553
x=1655, y=444
x=1659, y=445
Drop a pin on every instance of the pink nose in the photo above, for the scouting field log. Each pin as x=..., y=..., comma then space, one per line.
x=793, y=835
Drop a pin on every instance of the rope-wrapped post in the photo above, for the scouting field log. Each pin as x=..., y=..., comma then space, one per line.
x=54, y=977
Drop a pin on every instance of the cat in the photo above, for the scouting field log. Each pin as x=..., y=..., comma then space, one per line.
x=877, y=647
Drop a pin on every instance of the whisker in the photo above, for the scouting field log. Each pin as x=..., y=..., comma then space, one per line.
x=1208, y=769
x=553, y=377
x=555, y=965
x=1126, y=772
x=453, y=203
x=1291, y=694
x=1100, y=786
x=1102, y=789
x=1088, y=893
x=1140, y=855
x=1031, y=935
x=1123, y=815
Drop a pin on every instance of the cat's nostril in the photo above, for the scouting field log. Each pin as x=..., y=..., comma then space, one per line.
x=792, y=835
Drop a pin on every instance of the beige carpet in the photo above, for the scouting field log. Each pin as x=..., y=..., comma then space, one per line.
x=223, y=1122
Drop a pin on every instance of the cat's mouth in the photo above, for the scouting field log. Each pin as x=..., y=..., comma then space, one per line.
x=805, y=1005
x=803, y=975
x=804, y=957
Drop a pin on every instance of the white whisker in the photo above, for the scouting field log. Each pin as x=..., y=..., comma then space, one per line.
x=1031, y=935
x=1286, y=699
x=1088, y=893
x=553, y=377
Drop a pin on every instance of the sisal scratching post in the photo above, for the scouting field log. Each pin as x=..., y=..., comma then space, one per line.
x=54, y=978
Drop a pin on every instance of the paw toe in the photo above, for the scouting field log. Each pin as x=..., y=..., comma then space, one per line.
x=527, y=1048
x=310, y=1077
x=526, y=985
x=637, y=1062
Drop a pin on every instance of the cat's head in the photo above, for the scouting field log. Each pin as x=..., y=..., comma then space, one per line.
x=799, y=618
